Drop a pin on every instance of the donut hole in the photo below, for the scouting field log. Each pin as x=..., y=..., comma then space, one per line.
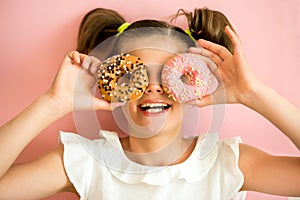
x=125, y=79
x=186, y=79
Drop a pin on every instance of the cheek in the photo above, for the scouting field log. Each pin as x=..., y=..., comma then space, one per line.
x=177, y=105
x=134, y=116
x=177, y=110
x=132, y=108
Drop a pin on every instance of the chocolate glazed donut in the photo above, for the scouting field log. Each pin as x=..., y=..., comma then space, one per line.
x=122, y=78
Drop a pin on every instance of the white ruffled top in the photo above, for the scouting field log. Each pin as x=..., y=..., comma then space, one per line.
x=99, y=169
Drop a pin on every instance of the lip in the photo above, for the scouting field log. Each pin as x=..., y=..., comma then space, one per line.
x=153, y=101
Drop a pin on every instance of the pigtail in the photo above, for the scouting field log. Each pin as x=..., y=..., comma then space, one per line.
x=209, y=25
x=96, y=26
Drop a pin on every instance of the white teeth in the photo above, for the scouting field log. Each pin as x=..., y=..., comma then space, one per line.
x=155, y=110
x=152, y=105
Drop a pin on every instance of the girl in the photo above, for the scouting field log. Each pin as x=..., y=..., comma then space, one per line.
x=153, y=161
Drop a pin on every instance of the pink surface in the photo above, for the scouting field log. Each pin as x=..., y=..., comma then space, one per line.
x=35, y=35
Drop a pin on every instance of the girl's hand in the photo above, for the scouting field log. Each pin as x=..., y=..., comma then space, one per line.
x=74, y=85
x=237, y=82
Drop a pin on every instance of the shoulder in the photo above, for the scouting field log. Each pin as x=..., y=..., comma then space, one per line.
x=229, y=154
x=230, y=146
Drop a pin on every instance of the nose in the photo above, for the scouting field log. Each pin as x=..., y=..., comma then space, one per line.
x=154, y=76
x=154, y=88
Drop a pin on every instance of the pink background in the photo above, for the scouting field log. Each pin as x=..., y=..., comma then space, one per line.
x=35, y=35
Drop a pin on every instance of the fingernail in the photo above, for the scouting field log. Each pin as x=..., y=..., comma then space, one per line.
x=117, y=104
x=86, y=63
x=197, y=44
x=76, y=56
x=192, y=49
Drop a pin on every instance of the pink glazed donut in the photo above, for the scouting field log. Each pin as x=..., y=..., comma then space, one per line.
x=187, y=77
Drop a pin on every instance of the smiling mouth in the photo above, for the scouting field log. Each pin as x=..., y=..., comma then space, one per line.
x=154, y=108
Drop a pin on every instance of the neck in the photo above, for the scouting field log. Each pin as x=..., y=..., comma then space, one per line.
x=159, y=150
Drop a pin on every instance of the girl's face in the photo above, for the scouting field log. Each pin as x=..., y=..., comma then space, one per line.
x=154, y=112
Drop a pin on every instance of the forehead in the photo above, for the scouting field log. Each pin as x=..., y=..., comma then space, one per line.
x=155, y=44
x=153, y=56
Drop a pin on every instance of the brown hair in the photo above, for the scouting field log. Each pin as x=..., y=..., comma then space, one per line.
x=209, y=25
x=96, y=26
x=100, y=24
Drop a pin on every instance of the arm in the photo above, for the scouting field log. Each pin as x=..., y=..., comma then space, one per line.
x=277, y=110
x=241, y=86
x=18, y=132
x=278, y=175
x=75, y=79
x=36, y=180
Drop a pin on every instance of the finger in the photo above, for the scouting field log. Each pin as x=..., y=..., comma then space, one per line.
x=91, y=64
x=95, y=64
x=210, y=64
x=217, y=49
x=100, y=104
x=75, y=57
x=206, y=53
x=199, y=50
x=69, y=57
x=234, y=39
x=86, y=63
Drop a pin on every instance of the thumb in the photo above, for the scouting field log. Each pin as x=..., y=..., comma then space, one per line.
x=205, y=101
x=100, y=104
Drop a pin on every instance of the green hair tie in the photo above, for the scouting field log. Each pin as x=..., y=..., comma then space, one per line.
x=123, y=27
x=189, y=33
